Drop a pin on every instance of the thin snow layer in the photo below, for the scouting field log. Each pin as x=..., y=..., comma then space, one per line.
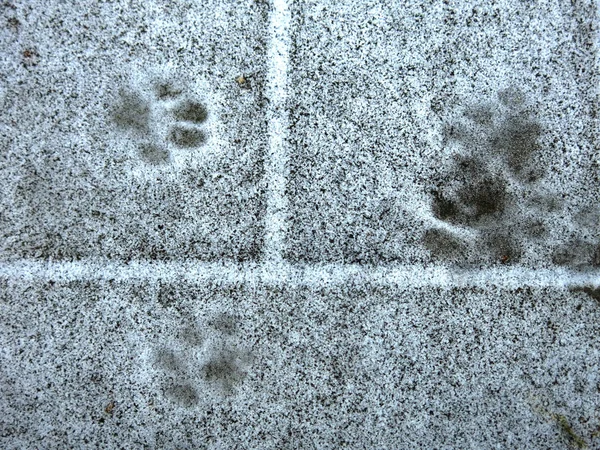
x=462, y=132
x=180, y=365
x=126, y=134
x=316, y=224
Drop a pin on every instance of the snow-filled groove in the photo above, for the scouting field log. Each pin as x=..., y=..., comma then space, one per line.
x=276, y=164
x=290, y=275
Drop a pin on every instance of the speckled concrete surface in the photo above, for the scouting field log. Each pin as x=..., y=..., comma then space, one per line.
x=305, y=225
x=99, y=157
x=477, y=115
x=132, y=365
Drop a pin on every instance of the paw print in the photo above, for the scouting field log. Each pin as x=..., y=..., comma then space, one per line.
x=494, y=162
x=202, y=360
x=161, y=118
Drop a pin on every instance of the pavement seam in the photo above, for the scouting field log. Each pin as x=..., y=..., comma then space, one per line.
x=281, y=274
x=277, y=117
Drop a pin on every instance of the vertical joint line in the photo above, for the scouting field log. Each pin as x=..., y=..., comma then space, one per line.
x=278, y=128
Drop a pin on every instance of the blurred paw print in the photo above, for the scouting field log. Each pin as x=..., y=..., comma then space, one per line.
x=201, y=361
x=493, y=192
x=495, y=154
x=161, y=117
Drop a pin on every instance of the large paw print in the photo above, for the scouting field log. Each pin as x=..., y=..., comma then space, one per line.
x=496, y=159
x=162, y=119
x=494, y=189
x=201, y=361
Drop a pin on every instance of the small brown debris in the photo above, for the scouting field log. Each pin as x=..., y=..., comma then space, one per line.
x=110, y=407
x=30, y=57
x=568, y=431
x=243, y=82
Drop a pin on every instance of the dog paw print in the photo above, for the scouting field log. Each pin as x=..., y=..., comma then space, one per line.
x=496, y=159
x=202, y=360
x=161, y=120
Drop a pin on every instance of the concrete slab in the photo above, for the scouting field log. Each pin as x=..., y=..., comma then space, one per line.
x=306, y=224
x=177, y=365
x=125, y=134
x=456, y=132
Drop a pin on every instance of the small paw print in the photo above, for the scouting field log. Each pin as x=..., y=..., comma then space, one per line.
x=202, y=360
x=186, y=137
x=132, y=112
x=165, y=90
x=187, y=113
x=190, y=111
x=160, y=119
